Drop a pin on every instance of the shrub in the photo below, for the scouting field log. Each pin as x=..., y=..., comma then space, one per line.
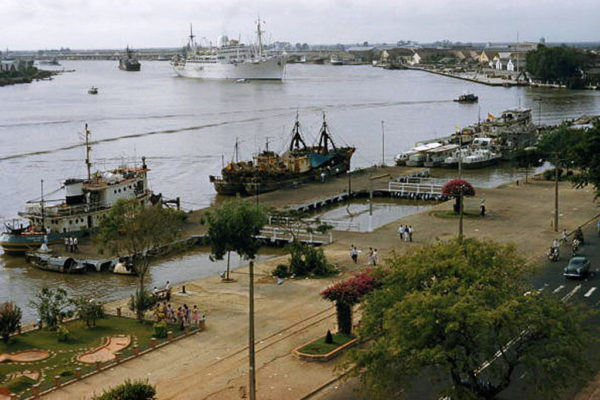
x=65, y=373
x=63, y=334
x=52, y=306
x=141, y=302
x=129, y=390
x=19, y=384
x=88, y=310
x=160, y=329
x=308, y=260
x=281, y=271
x=10, y=319
x=549, y=174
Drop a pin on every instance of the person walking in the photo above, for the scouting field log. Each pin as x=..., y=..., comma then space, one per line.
x=71, y=245
x=401, y=232
x=565, y=236
x=354, y=254
x=195, y=316
x=66, y=243
x=374, y=257
x=370, y=255
x=168, y=290
x=75, y=245
x=405, y=235
x=410, y=233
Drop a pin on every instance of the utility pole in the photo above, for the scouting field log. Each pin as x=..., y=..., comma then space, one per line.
x=382, y=145
x=556, y=195
x=88, y=162
x=252, y=373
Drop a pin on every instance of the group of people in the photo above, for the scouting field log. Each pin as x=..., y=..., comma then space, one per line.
x=372, y=255
x=553, y=252
x=71, y=244
x=184, y=316
x=406, y=232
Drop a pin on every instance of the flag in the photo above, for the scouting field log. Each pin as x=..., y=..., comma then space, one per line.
x=456, y=128
x=491, y=116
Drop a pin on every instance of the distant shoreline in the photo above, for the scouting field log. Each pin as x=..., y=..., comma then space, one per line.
x=24, y=77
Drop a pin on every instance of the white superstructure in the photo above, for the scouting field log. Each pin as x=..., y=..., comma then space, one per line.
x=230, y=60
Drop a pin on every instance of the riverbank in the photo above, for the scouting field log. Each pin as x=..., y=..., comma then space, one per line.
x=474, y=76
x=28, y=76
x=214, y=365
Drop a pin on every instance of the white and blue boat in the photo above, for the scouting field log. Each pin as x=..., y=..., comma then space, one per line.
x=85, y=202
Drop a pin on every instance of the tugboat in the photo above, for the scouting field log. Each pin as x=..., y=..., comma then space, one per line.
x=93, y=90
x=86, y=201
x=467, y=98
x=300, y=163
x=129, y=63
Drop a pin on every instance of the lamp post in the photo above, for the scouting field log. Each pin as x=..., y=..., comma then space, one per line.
x=382, y=145
x=251, y=355
x=349, y=182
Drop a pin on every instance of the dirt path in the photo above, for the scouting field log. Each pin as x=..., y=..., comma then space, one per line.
x=213, y=363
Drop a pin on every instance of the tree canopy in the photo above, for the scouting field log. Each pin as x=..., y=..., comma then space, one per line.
x=453, y=307
x=233, y=226
x=563, y=64
x=135, y=230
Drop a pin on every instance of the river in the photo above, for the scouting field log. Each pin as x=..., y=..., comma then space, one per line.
x=185, y=128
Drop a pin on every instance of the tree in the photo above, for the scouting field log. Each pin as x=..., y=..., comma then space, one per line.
x=88, y=310
x=134, y=230
x=52, y=306
x=348, y=293
x=586, y=157
x=559, y=64
x=459, y=307
x=233, y=226
x=10, y=319
x=527, y=158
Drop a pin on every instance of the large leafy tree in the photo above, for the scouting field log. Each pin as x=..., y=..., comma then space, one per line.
x=233, y=226
x=586, y=157
x=135, y=230
x=460, y=308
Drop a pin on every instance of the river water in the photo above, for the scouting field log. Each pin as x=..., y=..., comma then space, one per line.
x=185, y=128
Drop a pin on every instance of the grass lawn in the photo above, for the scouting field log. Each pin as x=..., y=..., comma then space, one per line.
x=62, y=359
x=320, y=347
x=452, y=214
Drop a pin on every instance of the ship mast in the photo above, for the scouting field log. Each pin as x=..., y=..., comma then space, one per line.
x=88, y=161
x=42, y=205
x=259, y=33
x=192, y=45
x=297, y=137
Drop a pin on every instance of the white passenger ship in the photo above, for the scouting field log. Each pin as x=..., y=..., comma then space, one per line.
x=230, y=60
x=85, y=202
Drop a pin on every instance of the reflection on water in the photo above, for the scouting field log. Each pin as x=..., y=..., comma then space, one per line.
x=20, y=281
x=354, y=215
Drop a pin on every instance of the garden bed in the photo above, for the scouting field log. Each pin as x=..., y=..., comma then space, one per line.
x=63, y=361
x=318, y=350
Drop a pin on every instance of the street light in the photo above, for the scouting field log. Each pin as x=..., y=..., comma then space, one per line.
x=349, y=182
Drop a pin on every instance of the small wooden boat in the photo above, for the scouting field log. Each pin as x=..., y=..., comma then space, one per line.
x=93, y=90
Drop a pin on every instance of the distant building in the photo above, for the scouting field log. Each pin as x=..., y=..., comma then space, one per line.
x=363, y=53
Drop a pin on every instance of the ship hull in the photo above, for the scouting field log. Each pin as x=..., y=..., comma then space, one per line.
x=15, y=244
x=130, y=67
x=271, y=69
x=481, y=164
x=337, y=165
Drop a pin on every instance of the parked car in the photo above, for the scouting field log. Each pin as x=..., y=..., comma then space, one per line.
x=578, y=267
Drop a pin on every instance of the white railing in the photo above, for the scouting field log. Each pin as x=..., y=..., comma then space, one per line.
x=274, y=233
x=418, y=188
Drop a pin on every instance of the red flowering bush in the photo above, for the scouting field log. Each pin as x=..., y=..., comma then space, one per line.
x=10, y=319
x=457, y=188
x=347, y=293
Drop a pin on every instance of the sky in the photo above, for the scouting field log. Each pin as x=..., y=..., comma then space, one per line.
x=109, y=24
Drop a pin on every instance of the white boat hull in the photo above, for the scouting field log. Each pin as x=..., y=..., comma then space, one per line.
x=271, y=69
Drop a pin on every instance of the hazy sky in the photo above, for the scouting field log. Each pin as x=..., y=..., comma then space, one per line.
x=46, y=24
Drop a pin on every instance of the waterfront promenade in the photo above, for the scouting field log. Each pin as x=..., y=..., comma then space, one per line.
x=213, y=363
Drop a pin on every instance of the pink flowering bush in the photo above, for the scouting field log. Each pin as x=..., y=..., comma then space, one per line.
x=457, y=188
x=347, y=293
